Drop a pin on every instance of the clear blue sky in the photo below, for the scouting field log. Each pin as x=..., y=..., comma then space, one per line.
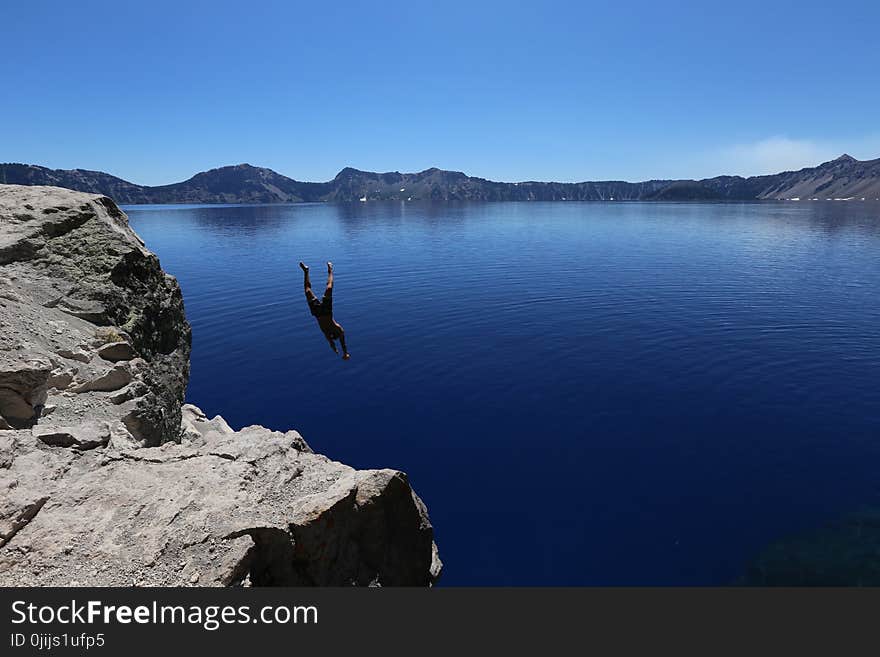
x=156, y=91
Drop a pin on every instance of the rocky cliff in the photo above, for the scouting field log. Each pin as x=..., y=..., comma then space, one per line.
x=842, y=178
x=107, y=478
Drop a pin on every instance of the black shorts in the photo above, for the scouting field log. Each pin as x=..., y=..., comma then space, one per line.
x=324, y=307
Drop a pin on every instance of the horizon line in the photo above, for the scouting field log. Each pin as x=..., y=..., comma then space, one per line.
x=844, y=156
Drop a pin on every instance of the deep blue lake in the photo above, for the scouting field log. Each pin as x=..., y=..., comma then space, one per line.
x=582, y=393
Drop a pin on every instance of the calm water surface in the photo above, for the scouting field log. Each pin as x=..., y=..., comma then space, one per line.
x=582, y=393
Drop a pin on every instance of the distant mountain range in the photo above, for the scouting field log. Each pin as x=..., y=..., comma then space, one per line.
x=842, y=178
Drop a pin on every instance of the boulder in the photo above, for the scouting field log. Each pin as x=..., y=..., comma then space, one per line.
x=248, y=507
x=117, y=377
x=23, y=388
x=78, y=354
x=116, y=351
x=61, y=377
x=83, y=436
x=195, y=424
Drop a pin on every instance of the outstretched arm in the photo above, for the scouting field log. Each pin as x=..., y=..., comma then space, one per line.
x=345, y=353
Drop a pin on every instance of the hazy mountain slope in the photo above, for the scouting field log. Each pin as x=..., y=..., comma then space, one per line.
x=844, y=177
x=81, y=180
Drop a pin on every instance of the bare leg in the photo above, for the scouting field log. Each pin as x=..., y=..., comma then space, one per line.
x=329, y=278
x=306, y=282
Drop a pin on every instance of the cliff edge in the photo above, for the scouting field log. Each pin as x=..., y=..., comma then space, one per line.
x=108, y=478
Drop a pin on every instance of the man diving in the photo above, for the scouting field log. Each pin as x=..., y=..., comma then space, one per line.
x=323, y=311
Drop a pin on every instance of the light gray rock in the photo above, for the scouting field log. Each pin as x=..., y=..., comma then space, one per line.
x=23, y=388
x=87, y=309
x=253, y=505
x=116, y=378
x=195, y=424
x=123, y=483
x=133, y=390
x=78, y=353
x=61, y=377
x=81, y=279
x=14, y=517
x=88, y=435
x=116, y=351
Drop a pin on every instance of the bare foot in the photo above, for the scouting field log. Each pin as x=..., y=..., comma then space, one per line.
x=346, y=356
x=303, y=266
x=329, y=267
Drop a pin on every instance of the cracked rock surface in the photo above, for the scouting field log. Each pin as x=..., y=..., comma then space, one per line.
x=85, y=309
x=107, y=478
